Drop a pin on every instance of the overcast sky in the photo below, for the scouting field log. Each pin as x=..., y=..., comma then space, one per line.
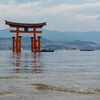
x=61, y=15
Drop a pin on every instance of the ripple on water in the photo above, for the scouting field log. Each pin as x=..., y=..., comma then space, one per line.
x=14, y=78
x=6, y=93
x=77, y=90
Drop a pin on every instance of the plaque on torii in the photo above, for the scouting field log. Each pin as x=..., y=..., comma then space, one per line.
x=35, y=43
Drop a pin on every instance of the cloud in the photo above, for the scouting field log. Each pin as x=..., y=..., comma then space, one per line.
x=20, y=9
x=36, y=8
x=73, y=7
x=61, y=15
x=98, y=18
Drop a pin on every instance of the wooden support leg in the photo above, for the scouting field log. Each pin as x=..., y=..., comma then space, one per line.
x=31, y=44
x=35, y=41
x=19, y=43
x=39, y=43
x=13, y=44
x=17, y=36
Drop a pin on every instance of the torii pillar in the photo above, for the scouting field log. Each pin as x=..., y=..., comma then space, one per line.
x=35, y=43
x=16, y=44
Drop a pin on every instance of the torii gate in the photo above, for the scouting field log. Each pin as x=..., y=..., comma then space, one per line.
x=35, y=43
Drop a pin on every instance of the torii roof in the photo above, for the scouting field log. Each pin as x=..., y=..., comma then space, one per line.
x=28, y=25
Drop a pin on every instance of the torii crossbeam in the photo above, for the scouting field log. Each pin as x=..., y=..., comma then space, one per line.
x=35, y=43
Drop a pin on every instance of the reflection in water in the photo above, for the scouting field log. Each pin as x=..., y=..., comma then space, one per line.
x=16, y=61
x=36, y=62
x=25, y=63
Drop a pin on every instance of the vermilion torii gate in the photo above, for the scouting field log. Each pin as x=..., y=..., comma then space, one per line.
x=35, y=43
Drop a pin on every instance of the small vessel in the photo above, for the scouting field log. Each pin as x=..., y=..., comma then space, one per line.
x=75, y=48
x=86, y=50
x=44, y=50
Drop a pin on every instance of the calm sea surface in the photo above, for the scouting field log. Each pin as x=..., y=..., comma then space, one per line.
x=62, y=75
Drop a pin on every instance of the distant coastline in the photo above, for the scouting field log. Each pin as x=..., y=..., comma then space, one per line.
x=6, y=44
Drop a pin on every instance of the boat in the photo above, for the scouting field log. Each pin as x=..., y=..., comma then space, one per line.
x=86, y=50
x=44, y=50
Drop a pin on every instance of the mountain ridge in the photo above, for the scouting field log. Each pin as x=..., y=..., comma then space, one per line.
x=57, y=35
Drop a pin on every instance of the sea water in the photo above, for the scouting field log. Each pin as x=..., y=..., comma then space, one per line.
x=59, y=75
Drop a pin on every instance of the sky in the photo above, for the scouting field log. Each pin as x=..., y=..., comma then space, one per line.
x=60, y=15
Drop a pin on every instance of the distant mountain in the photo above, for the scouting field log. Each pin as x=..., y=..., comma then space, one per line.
x=56, y=35
x=5, y=33
x=70, y=36
x=90, y=36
